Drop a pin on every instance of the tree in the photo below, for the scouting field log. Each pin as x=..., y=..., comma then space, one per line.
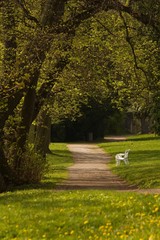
x=120, y=68
x=35, y=52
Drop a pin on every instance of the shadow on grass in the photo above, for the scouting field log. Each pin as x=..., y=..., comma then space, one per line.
x=49, y=185
x=42, y=200
x=145, y=138
x=125, y=138
x=59, y=153
x=146, y=155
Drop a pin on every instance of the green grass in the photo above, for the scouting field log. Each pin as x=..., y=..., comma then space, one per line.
x=58, y=161
x=40, y=212
x=44, y=214
x=144, y=158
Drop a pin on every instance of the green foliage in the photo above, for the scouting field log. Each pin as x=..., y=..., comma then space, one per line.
x=103, y=66
x=33, y=167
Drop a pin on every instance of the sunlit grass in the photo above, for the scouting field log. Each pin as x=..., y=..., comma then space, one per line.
x=58, y=161
x=144, y=158
x=45, y=213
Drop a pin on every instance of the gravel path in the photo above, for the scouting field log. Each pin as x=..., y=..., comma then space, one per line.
x=90, y=170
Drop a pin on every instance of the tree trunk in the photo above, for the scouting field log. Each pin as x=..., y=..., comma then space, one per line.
x=6, y=174
x=23, y=128
x=35, y=54
x=9, y=59
x=43, y=131
x=144, y=125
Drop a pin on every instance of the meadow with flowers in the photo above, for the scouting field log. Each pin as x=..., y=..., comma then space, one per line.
x=42, y=212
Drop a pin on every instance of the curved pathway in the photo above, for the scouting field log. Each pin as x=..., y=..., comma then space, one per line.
x=90, y=170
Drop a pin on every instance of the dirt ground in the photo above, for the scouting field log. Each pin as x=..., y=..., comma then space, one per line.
x=90, y=171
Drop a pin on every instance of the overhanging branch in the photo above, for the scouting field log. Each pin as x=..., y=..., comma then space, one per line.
x=128, y=39
x=26, y=12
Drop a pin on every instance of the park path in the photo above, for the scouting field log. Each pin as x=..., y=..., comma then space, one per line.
x=90, y=170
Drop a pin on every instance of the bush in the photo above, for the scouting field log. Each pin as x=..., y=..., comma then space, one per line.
x=33, y=166
x=28, y=166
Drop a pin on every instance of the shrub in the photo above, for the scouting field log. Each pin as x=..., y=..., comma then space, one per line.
x=33, y=166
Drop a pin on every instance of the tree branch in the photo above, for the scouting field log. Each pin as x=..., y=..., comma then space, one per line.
x=108, y=30
x=26, y=12
x=146, y=19
x=45, y=89
x=128, y=39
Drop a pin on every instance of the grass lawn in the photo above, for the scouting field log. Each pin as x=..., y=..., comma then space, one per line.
x=144, y=158
x=40, y=212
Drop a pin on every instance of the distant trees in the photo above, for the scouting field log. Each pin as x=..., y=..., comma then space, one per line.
x=117, y=62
